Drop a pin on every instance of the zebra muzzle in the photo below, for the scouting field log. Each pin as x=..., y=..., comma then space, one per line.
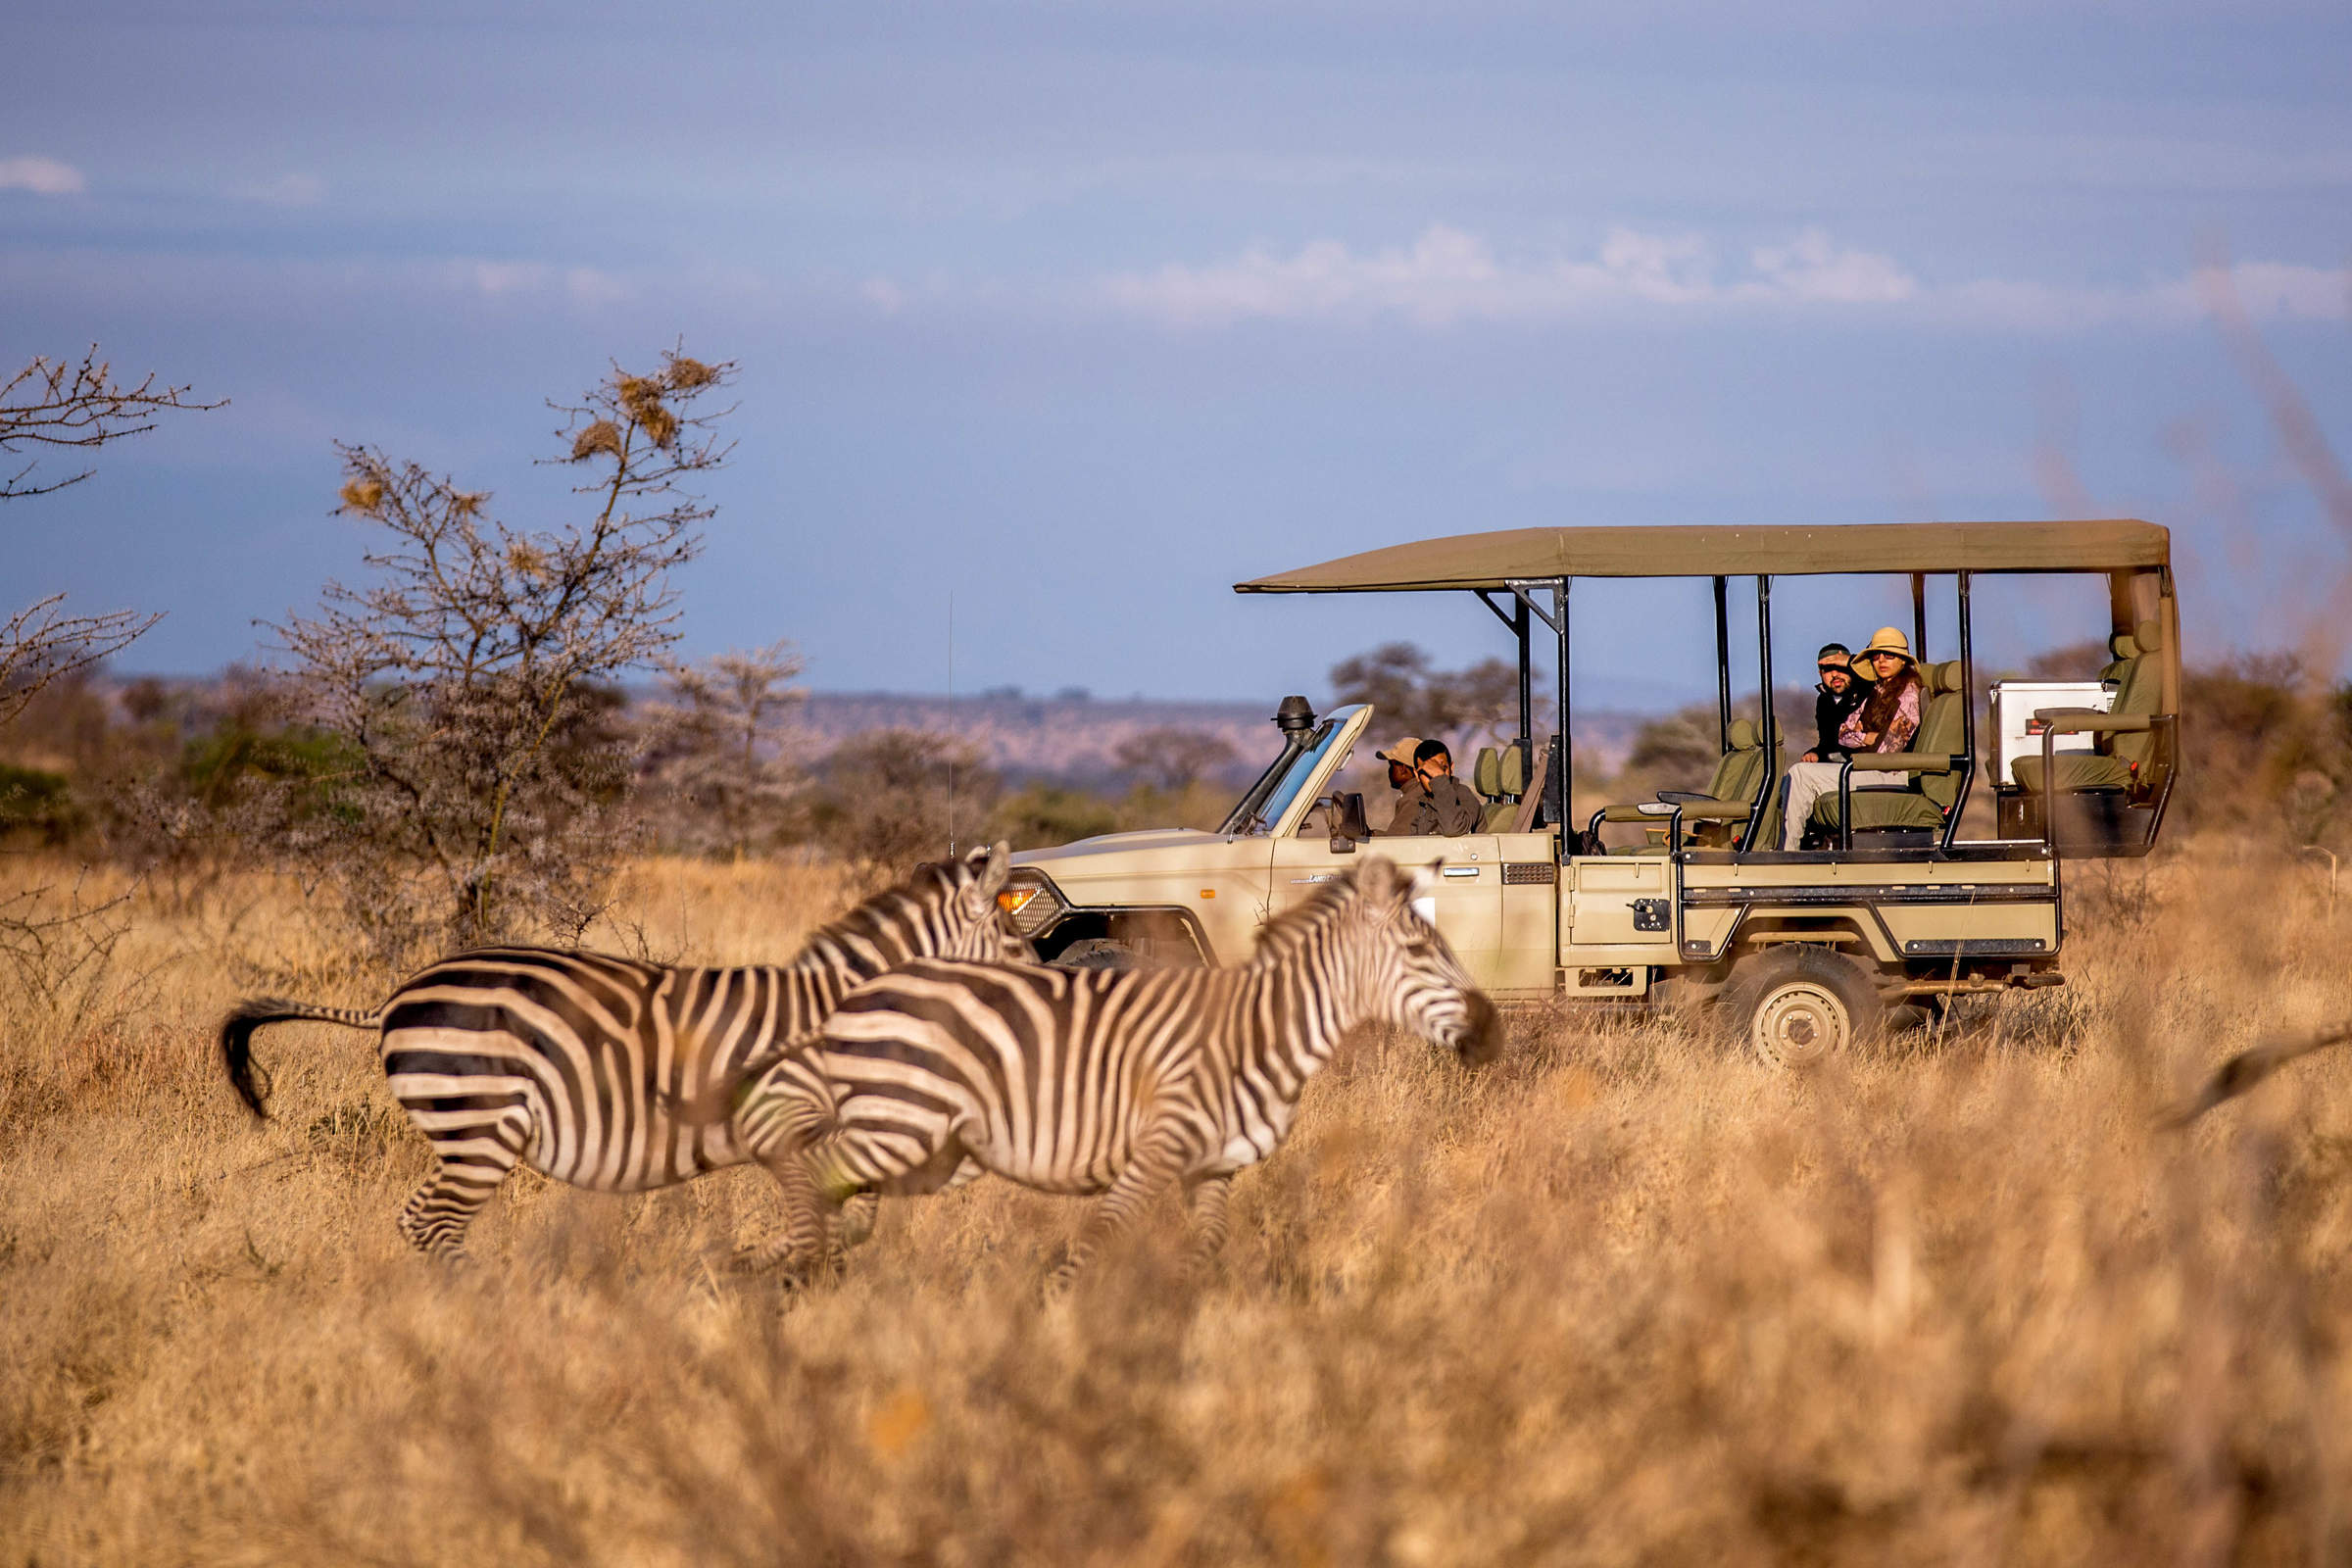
x=1481, y=1039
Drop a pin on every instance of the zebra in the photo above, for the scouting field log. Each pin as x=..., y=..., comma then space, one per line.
x=577, y=1061
x=1089, y=1081
x=2251, y=1066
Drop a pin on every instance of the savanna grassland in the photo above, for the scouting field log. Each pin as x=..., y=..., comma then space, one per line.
x=1619, y=1298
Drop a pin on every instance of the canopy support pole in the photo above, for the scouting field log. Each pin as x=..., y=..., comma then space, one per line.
x=1723, y=666
x=1527, y=700
x=1772, y=738
x=1968, y=723
x=1919, y=618
x=1564, y=767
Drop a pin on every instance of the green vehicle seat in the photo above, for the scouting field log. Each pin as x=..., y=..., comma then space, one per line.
x=2115, y=760
x=1499, y=777
x=1921, y=803
x=1504, y=786
x=1713, y=816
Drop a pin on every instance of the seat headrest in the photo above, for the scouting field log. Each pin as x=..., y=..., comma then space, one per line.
x=1486, y=774
x=2121, y=646
x=2149, y=634
x=1744, y=735
x=1514, y=770
x=1948, y=676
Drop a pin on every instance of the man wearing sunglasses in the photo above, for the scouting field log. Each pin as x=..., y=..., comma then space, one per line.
x=1835, y=699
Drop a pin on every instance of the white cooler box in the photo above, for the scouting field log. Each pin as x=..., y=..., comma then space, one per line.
x=2016, y=735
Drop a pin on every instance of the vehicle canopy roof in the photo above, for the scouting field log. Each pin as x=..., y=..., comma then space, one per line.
x=1489, y=560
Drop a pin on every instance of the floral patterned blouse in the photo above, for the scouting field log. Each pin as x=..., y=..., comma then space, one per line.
x=1899, y=729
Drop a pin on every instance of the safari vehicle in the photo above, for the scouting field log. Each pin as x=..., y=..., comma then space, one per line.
x=1688, y=899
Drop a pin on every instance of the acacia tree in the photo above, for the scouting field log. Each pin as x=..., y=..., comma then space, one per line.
x=471, y=680
x=75, y=405
x=1411, y=697
x=720, y=749
x=1171, y=760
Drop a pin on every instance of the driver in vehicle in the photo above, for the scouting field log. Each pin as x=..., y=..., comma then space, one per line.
x=1886, y=722
x=1446, y=805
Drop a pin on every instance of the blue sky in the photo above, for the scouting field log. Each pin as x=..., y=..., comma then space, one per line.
x=1081, y=313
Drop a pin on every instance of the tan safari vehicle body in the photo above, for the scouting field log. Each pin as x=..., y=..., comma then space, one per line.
x=1688, y=899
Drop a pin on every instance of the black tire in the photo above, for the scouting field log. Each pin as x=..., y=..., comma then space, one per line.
x=1794, y=1005
x=1098, y=952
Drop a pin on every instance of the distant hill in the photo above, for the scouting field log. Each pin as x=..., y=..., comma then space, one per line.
x=1069, y=736
x=1075, y=738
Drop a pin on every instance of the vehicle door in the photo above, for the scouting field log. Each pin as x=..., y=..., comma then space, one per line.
x=1464, y=901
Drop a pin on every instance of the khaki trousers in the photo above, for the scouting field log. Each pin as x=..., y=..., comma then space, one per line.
x=1808, y=782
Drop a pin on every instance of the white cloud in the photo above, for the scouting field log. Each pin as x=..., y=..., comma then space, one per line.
x=529, y=280
x=287, y=190
x=1812, y=267
x=494, y=278
x=1448, y=276
x=587, y=286
x=43, y=176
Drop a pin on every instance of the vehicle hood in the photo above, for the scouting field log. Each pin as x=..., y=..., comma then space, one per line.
x=1120, y=844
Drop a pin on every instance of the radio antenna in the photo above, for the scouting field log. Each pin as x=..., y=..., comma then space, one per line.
x=950, y=725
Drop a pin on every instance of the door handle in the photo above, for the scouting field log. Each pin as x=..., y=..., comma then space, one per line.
x=1462, y=870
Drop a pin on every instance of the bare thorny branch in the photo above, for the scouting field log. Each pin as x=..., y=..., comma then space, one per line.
x=41, y=644
x=720, y=741
x=65, y=403
x=68, y=403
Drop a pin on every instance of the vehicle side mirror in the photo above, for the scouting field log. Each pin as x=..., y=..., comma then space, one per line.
x=1348, y=825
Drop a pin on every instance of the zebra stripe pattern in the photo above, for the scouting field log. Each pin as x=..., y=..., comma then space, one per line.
x=1117, y=1083
x=582, y=1063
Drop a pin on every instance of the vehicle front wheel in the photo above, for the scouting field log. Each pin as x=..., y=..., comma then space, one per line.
x=1098, y=952
x=1795, y=1004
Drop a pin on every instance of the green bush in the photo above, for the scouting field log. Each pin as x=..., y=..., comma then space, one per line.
x=38, y=804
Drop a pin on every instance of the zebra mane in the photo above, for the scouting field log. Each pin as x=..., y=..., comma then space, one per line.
x=870, y=939
x=1288, y=932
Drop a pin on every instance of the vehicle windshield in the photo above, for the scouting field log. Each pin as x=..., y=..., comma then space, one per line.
x=1303, y=769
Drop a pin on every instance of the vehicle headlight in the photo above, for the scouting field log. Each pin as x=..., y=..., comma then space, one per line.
x=1030, y=904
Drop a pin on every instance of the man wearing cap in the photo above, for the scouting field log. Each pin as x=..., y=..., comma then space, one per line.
x=1405, y=778
x=1447, y=805
x=1886, y=722
x=1835, y=698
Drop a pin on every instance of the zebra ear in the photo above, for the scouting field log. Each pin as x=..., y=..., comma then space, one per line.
x=1381, y=880
x=981, y=896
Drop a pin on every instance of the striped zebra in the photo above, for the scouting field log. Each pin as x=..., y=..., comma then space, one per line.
x=2251, y=1066
x=578, y=1062
x=1108, y=1082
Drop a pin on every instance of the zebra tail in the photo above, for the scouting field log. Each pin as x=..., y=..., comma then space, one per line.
x=250, y=1078
x=2249, y=1067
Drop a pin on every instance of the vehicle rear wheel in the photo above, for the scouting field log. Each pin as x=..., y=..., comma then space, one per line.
x=1794, y=1005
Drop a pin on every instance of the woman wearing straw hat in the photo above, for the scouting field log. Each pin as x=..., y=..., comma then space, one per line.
x=1885, y=722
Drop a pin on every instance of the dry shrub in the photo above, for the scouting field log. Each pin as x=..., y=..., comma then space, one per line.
x=1620, y=1298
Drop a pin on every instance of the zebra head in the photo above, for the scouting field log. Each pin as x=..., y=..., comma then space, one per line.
x=967, y=922
x=1415, y=982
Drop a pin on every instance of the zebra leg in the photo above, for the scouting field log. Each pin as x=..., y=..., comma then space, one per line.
x=1204, y=1200
x=473, y=1163
x=1159, y=1159
x=807, y=1246
x=858, y=1218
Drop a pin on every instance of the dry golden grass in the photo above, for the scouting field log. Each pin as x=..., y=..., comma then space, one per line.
x=1620, y=1298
